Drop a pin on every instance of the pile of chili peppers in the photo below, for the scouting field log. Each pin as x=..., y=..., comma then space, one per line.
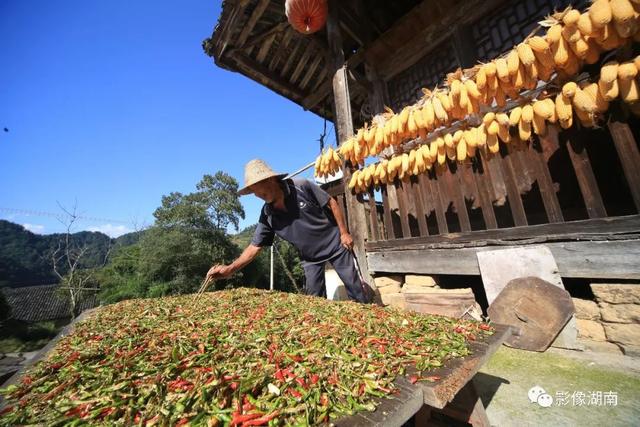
x=240, y=357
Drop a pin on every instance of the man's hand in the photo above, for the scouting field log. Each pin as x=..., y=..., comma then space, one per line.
x=346, y=240
x=219, y=272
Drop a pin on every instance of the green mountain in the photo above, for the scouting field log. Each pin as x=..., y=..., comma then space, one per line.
x=25, y=257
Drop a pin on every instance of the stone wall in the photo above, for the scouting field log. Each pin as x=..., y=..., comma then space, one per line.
x=611, y=323
x=421, y=293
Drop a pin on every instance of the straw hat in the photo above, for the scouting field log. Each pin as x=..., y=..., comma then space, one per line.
x=255, y=171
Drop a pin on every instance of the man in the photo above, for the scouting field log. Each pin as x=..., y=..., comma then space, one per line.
x=302, y=213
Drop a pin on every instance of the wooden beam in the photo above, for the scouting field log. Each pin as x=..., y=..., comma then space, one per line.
x=310, y=72
x=431, y=186
x=513, y=195
x=486, y=201
x=418, y=200
x=398, y=49
x=456, y=184
x=594, y=260
x=258, y=38
x=627, y=149
x=298, y=44
x=282, y=48
x=374, y=235
x=586, y=179
x=265, y=76
x=264, y=49
x=386, y=215
x=252, y=21
x=306, y=55
x=593, y=229
x=549, y=144
x=343, y=123
x=323, y=91
x=403, y=208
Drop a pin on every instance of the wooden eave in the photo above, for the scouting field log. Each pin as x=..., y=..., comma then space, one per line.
x=252, y=37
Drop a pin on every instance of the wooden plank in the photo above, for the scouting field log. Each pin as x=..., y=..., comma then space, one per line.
x=388, y=221
x=282, y=48
x=583, y=259
x=266, y=77
x=325, y=89
x=264, y=49
x=627, y=149
x=485, y=190
x=301, y=64
x=586, y=179
x=457, y=372
x=545, y=186
x=258, y=38
x=403, y=210
x=398, y=49
x=492, y=163
x=252, y=21
x=343, y=123
x=373, y=217
x=592, y=229
x=310, y=72
x=441, y=218
x=394, y=410
x=298, y=42
x=456, y=184
x=515, y=201
x=416, y=189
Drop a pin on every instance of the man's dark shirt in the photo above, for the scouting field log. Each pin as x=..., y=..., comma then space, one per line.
x=305, y=223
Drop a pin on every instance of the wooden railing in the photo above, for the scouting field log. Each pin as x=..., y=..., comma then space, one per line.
x=568, y=175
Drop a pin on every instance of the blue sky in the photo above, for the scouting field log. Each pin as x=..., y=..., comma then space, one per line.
x=113, y=104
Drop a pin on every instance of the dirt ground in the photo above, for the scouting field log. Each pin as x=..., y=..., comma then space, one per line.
x=586, y=388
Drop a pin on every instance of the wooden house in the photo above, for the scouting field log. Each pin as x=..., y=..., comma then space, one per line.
x=574, y=189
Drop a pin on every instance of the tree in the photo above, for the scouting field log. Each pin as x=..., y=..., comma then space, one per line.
x=177, y=258
x=215, y=205
x=69, y=256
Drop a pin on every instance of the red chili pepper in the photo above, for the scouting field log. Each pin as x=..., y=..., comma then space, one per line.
x=182, y=421
x=302, y=383
x=484, y=327
x=295, y=393
x=315, y=378
x=241, y=418
x=106, y=412
x=278, y=375
x=262, y=420
x=6, y=410
x=27, y=380
x=413, y=379
x=234, y=385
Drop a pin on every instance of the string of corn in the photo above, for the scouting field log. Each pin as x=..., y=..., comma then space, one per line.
x=584, y=102
x=572, y=40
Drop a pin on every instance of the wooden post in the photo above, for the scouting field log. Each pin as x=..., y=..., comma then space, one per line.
x=344, y=129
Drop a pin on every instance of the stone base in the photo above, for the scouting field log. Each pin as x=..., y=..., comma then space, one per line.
x=630, y=350
x=622, y=333
x=394, y=300
x=383, y=281
x=600, y=346
x=591, y=330
x=616, y=294
x=586, y=309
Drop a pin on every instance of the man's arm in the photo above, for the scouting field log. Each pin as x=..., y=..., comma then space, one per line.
x=222, y=271
x=345, y=237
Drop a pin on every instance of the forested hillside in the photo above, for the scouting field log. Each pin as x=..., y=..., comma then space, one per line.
x=25, y=257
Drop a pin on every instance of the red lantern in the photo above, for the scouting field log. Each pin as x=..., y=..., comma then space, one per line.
x=306, y=16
